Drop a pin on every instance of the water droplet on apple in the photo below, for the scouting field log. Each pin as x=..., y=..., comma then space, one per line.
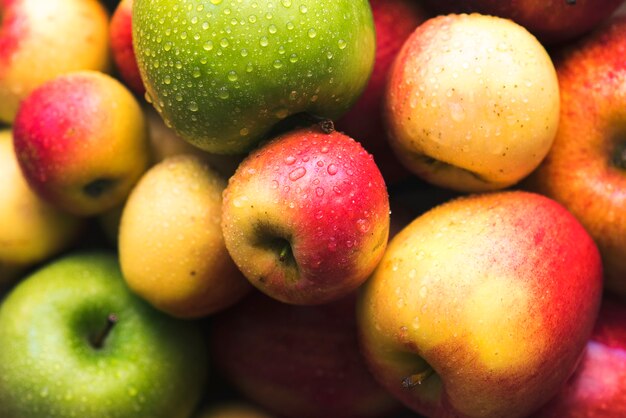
x=337, y=190
x=342, y=44
x=216, y=2
x=272, y=29
x=303, y=9
x=244, y=131
x=289, y=160
x=263, y=41
x=319, y=214
x=193, y=106
x=208, y=45
x=363, y=225
x=332, y=246
x=332, y=168
x=286, y=3
x=277, y=64
x=232, y=75
x=312, y=33
x=297, y=174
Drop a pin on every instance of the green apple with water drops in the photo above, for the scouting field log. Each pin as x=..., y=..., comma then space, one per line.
x=224, y=73
x=75, y=342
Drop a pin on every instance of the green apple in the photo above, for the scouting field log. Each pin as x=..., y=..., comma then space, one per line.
x=224, y=72
x=77, y=343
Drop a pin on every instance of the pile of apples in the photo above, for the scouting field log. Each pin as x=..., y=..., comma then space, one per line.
x=312, y=208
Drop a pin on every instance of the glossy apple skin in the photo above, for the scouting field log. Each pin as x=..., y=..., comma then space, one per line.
x=297, y=361
x=171, y=247
x=484, y=290
x=32, y=230
x=224, y=73
x=552, y=21
x=579, y=171
x=123, y=52
x=394, y=21
x=148, y=365
x=41, y=40
x=598, y=387
x=81, y=141
x=319, y=197
x=472, y=102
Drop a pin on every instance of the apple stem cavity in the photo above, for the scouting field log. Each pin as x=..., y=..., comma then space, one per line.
x=619, y=156
x=417, y=378
x=97, y=340
x=98, y=187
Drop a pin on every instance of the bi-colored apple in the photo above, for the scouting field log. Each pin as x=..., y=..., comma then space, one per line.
x=472, y=102
x=121, y=39
x=306, y=216
x=482, y=306
x=81, y=141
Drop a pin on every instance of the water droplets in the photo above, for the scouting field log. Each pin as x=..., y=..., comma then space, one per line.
x=341, y=44
x=193, y=106
x=264, y=41
x=208, y=45
x=332, y=169
x=297, y=174
x=289, y=160
x=312, y=33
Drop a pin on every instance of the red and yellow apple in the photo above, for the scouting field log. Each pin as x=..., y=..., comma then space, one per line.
x=552, y=21
x=306, y=216
x=40, y=40
x=472, y=102
x=586, y=168
x=171, y=247
x=598, y=387
x=297, y=361
x=482, y=306
x=81, y=141
x=394, y=21
x=121, y=39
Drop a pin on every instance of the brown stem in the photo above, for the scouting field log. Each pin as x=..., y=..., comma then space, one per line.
x=97, y=341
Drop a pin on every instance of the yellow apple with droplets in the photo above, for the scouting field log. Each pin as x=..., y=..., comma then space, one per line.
x=171, y=247
x=472, y=102
x=481, y=307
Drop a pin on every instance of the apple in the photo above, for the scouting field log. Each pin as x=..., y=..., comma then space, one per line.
x=585, y=169
x=598, y=387
x=394, y=21
x=121, y=40
x=306, y=216
x=472, y=102
x=40, y=40
x=81, y=141
x=297, y=361
x=32, y=230
x=224, y=73
x=468, y=312
x=171, y=247
x=232, y=409
x=552, y=21
x=77, y=343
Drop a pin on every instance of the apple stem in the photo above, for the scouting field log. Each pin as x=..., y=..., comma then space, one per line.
x=284, y=253
x=326, y=125
x=417, y=378
x=98, y=340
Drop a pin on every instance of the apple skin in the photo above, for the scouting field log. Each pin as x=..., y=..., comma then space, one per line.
x=585, y=169
x=224, y=73
x=456, y=70
x=598, y=387
x=121, y=40
x=32, y=230
x=232, y=409
x=171, y=247
x=482, y=291
x=41, y=40
x=306, y=216
x=394, y=21
x=552, y=21
x=297, y=361
x=147, y=364
x=81, y=141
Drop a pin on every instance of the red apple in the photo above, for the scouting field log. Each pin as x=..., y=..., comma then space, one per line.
x=121, y=36
x=306, y=216
x=297, y=361
x=598, y=388
x=81, y=141
x=482, y=306
x=552, y=21
x=40, y=40
x=585, y=169
x=394, y=21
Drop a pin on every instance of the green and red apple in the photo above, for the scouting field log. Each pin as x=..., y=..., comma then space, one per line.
x=32, y=230
x=123, y=52
x=81, y=141
x=552, y=21
x=472, y=102
x=585, y=169
x=223, y=73
x=40, y=40
x=77, y=343
x=482, y=306
x=306, y=216
x=297, y=361
x=171, y=247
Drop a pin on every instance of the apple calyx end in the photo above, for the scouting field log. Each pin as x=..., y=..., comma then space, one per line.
x=417, y=378
x=619, y=156
x=98, y=187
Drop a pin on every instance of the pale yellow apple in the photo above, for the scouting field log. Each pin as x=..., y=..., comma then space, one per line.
x=472, y=102
x=31, y=229
x=171, y=247
x=482, y=306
